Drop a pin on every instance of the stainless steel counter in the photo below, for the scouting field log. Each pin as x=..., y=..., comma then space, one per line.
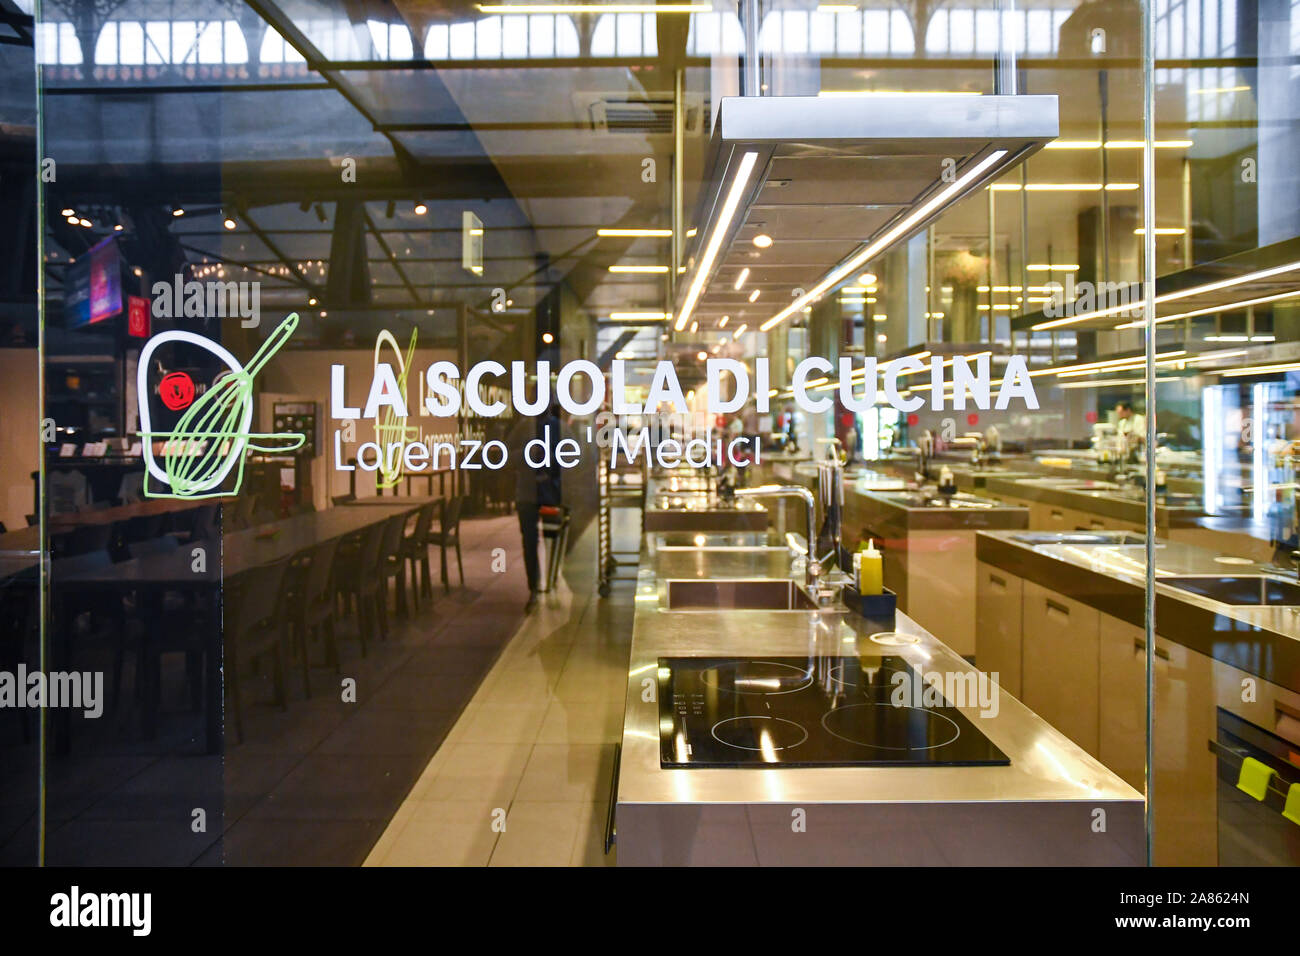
x=1040, y=809
x=685, y=504
x=1100, y=498
x=1261, y=640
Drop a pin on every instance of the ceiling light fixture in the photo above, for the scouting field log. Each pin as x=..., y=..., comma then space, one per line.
x=548, y=338
x=722, y=322
x=634, y=233
x=1117, y=144
x=763, y=240
x=1063, y=187
x=1175, y=296
x=720, y=228
x=740, y=279
x=740, y=330
x=178, y=212
x=1258, y=369
x=879, y=245
x=867, y=278
x=695, y=326
x=1226, y=307
x=1161, y=231
x=639, y=269
x=420, y=208
x=754, y=295
x=1042, y=267
x=229, y=223
x=639, y=316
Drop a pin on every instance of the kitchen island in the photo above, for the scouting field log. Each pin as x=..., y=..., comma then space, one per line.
x=1044, y=802
x=1060, y=616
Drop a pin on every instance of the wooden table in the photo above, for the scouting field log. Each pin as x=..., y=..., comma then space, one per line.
x=229, y=556
x=149, y=507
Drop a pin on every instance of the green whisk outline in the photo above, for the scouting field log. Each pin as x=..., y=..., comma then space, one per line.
x=216, y=416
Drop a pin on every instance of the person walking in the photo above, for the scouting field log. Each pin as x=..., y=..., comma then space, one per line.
x=535, y=487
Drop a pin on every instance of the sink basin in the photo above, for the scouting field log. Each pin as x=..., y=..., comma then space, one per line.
x=1080, y=537
x=918, y=499
x=751, y=594
x=1252, y=590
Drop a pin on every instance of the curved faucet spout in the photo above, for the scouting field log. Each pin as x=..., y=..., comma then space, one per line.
x=810, y=516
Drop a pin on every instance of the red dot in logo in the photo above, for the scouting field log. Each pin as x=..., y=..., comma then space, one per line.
x=972, y=419
x=913, y=419
x=176, y=390
x=1090, y=418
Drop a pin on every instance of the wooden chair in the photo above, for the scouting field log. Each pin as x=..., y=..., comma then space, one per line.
x=311, y=607
x=448, y=536
x=255, y=627
x=415, y=552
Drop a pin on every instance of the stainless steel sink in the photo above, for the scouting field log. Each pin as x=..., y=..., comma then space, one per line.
x=1250, y=590
x=1080, y=537
x=747, y=594
x=917, y=499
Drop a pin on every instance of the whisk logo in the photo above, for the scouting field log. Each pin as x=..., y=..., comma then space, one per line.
x=207, y=444
x=390, y=418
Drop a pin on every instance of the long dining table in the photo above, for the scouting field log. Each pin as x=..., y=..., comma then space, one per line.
x=226, y=557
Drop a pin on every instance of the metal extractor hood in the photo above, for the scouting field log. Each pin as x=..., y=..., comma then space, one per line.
x=836, y=181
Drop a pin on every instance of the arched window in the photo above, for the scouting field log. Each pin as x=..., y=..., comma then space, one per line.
x=168, y=42
x=844, y=33
x=57, y=44
x=712, y=34
x=390, y=41
x=275, y=50
x=625, y=34
x=534, y=36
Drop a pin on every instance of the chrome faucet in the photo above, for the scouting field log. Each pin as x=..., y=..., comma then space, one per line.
x=813, y=569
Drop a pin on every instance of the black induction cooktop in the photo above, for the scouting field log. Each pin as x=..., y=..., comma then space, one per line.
x=808, y=712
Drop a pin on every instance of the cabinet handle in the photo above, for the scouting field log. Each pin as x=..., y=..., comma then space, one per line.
x=1000, y=582
x=1058, y=608
x=1057, y=514
x=1140, y=646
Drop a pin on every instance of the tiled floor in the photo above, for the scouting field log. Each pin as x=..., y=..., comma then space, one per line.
x=523, y=777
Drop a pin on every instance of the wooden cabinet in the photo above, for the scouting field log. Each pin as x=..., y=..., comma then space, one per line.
x=1121, y=701
x=1059, y=677
x=999, y=603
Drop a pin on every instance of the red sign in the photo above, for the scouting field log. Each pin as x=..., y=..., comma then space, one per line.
x=137, y=317
x=176, y=390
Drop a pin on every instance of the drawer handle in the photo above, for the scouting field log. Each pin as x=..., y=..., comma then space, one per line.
x=1140, y=646
x=1000, y=582
x=1057, y=514
x=1058, y=608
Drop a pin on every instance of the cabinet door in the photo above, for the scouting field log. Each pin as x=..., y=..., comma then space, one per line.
x=999, y=599
x=1059, y=663
x=1184, y=795
x=1121, y=672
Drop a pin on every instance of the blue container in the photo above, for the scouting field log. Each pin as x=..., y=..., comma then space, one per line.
x=880, y=608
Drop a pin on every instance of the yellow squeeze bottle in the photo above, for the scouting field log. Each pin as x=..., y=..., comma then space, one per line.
x=870, y=572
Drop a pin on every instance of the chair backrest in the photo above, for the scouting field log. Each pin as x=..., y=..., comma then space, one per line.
x=88, y=561
x=370, y=548
x=317, y=589
x=392, y=537
x=423, y=522
x=450, y=519
x=203, y=523
x=160, y=545
x=255, y=596
x=143, y=527
x=89, y=537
